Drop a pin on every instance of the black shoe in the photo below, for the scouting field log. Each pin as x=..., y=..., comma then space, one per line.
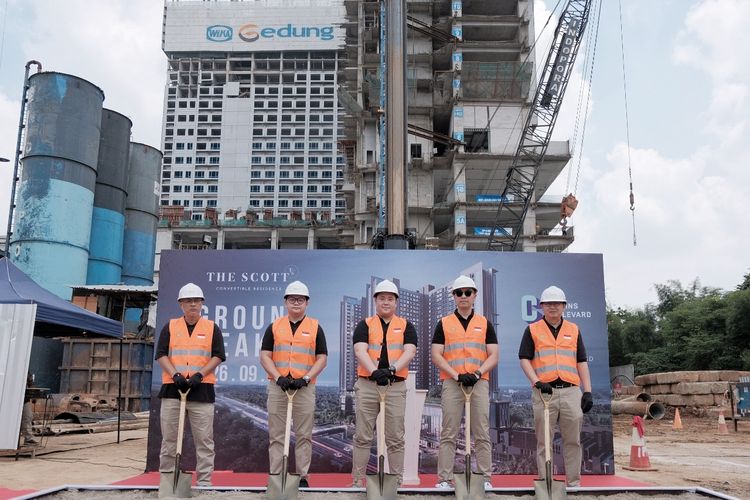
x=30, y=441
x=303, y=483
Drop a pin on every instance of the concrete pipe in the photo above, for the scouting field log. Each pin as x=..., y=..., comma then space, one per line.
x=648, y=409
x=643, y=396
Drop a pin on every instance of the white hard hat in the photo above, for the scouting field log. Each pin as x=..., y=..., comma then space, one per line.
x=553, y=294
x=190, y=291
x=296, y=288
x=386, y=286
x=463, y=282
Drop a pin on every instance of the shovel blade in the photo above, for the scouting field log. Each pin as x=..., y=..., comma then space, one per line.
x=181, y=489
x=385, y=489
x=284, y=486
x=471, y=490
x=552, y=490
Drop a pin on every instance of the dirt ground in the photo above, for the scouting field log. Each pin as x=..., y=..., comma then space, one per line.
x=697, y=455
x=694, y=456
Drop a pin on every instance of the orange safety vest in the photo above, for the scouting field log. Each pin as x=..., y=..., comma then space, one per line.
x=294, y=355
x=555, y=357
x=465, y=350
x=395, y=336
x=189, y=353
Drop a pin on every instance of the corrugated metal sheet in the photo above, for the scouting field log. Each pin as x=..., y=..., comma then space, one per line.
x=118, y=288
x=16, y=334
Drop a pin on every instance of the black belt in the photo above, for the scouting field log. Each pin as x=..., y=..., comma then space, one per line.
x=561, y=384
x=394, y=379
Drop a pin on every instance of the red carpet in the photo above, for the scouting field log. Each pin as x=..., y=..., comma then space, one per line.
x=7, y=493
x=226, y=478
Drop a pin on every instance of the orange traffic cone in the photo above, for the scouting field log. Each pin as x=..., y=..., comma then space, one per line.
x=677, y=424
x=722, y=423
x=639, y=460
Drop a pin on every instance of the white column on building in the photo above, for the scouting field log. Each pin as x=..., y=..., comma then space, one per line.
x=220, y=239
x=311, y=239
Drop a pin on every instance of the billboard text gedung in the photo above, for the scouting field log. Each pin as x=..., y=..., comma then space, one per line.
x=252, y=32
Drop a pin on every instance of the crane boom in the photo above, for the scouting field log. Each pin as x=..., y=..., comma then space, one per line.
x=537, y=132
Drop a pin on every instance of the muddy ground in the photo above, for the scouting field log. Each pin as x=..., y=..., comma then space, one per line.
x=694, y=456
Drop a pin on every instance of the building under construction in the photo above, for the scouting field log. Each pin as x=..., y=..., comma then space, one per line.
x=272, y=134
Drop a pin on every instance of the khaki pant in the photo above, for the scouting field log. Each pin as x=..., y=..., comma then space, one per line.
x=303, y=413
x=27, y=420
x=452, y=403
x=201, y=416
x=564, y=409
x=368, y=407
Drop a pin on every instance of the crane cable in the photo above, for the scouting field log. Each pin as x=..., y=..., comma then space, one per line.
x=627, y=123
x=588, y=66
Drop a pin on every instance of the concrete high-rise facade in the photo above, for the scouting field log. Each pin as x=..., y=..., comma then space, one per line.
x=271, y=135
x=470, y=74
x=252, y=124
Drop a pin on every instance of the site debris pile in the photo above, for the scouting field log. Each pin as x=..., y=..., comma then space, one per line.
x=702, y=390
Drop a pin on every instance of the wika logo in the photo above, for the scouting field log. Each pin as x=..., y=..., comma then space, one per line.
x=219, y=33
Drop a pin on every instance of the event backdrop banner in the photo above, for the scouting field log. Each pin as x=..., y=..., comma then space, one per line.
x=244, y=294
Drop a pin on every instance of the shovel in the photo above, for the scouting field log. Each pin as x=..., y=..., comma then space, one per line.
x=470, y=485
x=548, y=488
x=284, y=486
x=382, y=486
x=177, y=484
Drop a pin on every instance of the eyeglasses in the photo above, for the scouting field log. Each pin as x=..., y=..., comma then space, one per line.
x=463, y=293
x=191, y=300
x=296, y=300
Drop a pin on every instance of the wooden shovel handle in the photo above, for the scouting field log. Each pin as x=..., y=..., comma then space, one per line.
x=181, y=420
x=467, y=412
x=381, y=421
x=288, y=429
x=546, y=400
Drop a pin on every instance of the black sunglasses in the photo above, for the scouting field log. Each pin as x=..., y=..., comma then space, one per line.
x=463, y=293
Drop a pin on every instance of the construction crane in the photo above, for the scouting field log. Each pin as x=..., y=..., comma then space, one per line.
x=537, y=131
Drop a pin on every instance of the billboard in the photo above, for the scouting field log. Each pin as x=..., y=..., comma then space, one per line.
x=265, y=25
x=244, y=294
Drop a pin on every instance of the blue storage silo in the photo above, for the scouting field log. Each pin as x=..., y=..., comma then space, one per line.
x=52, y=220
x=141, y=216
x=108, y=219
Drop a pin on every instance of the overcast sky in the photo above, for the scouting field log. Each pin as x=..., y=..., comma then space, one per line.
x=688, y=68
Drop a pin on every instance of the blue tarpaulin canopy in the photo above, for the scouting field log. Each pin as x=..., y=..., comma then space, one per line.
x=54, y=316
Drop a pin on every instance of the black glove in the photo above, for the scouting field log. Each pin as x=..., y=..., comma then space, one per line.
x=298, y=383
x=381, y=376
x=181, y=382
x=195, y=380
x=587, y=402
x=543, y=386
x=285, y=383
x=467, y=379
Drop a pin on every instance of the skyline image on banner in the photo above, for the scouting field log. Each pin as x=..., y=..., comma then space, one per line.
x=244, y=294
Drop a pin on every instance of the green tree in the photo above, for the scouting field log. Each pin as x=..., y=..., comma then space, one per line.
x=745, y=285
x=691, y=327
x=738, y=326
x=631, y=332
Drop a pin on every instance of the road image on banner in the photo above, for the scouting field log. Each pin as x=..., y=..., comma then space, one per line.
x=244, y=294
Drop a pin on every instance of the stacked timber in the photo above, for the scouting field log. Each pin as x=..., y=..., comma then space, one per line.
x=689, y=388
